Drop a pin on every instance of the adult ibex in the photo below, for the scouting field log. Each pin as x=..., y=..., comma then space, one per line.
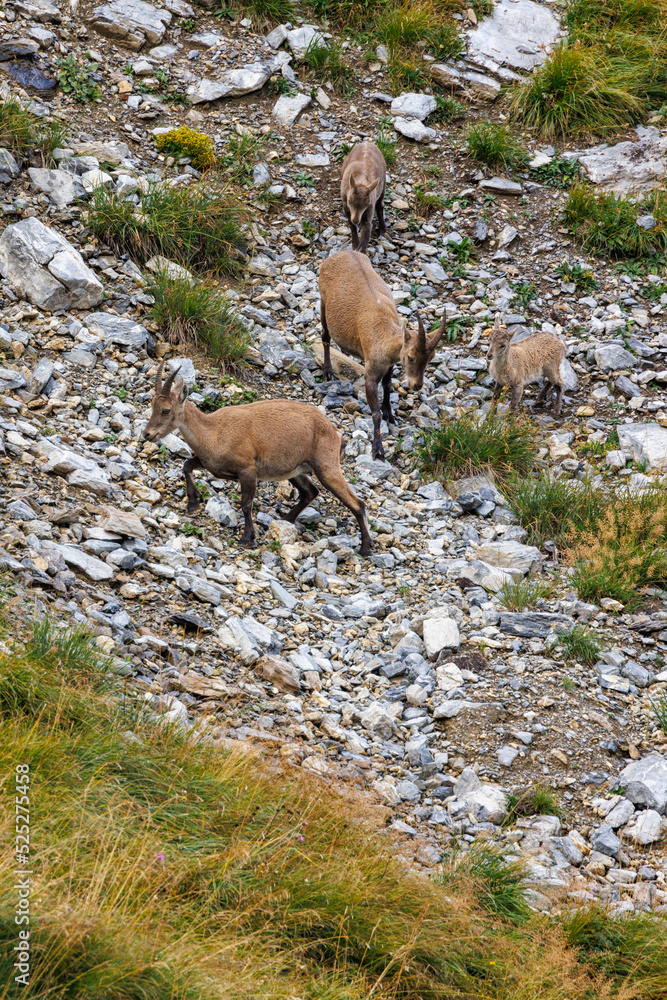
x=362, y=183
x=358, y=311
x=275, y=439
x=517, y=365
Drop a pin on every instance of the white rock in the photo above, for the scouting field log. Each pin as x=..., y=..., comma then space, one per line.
x=61, y=186
x=45, y=269
x=413, y=106
x=627, y=166
x=475, y=84
x=377, y=720
x=448, y=677
x=301, y=38
x=519, y=34
x=440, y=633
x=645, y=781
x=231, y=83
x=646, y=827
x=131, y=22
x=411, y=128
x=222, y=512
x=645, y=443
x=287, y=109
x=489, y=577
x=92, y=179
x=511, y=555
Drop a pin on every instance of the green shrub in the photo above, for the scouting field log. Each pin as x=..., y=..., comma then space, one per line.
x=445, y=42
x=470, y=445
x=198, y=226
x=606, y=224
x=386, y=143
x=560, y=173
x=518, y=595
x=77, y=80
x=578, y=91
x=493, y=145
x=447, y=109
x=184, y=141
x=328, y=62
x=582, y=277
x=624, y=948
x=200, y=313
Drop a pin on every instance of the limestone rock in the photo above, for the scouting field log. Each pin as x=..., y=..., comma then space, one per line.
x=413, y=106
x=61, y=186
x=518, y=34
x=646, y=827
x=627, y=166
x=118, y=330
x=612, y=357
x=131, y=22
x=411, y=128
x=287, y=109
x=645, y=443
x=281, y=673
x=231, y=83
x=300, y=38
x=511, y=555
x=529, y=624
x=645, y=782
x=440, y=633
x=45, y=269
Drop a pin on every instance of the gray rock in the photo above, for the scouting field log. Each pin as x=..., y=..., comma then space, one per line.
x=43, y=371
x=45, y=269
x=605, y=841
x=507, y=755
x=645, y=782
x=413, y=106
x=92, y=567
x=10, y=379
x=636, y=673
x=626, y=387
x=260, y=174
x=511, y=555
x=612, y=357
x=231, y=83
x=569, y=850
x=568, y=375
x=9, y=168
x=312, y=159
x=222, y=512
x=276, y=37
x=411, y=128
x=646, y=827
x=407, y=790
x=299, y=39
x=490, y=577
x=186, y=370
x=518, y=34
x=117, y=330
x=377, y=720
x=21, y=511
x=501, y=185
x=61, y=186
x=646, y=222
x=434, y=272
x=644, y=443
x=620, y=815
x=506, y=236
x=632, y=165
x=287, y=109
x=476, y=84
x=131, y=22
x=532, y=624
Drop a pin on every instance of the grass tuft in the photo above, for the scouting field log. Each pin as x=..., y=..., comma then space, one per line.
x=198, y=312
x=470, y=445
x=18, y=127
x=659, y=709
x=198, y=226
x=493, y=145
x=518, y=595
x=606, y=223
x=534, y=801
x=497, y=883
x=555, y=509
x=579, y=644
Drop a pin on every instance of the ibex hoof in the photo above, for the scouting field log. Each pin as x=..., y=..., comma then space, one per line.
x=192, y=507
x=378, y=453
x=247, y=541
x=365, y=550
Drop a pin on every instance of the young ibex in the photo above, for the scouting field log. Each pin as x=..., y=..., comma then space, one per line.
x=517, y=365
x=358, y=311
x=275, y=439
x=362, y=185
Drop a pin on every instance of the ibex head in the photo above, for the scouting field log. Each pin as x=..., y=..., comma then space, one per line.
x=418, y=350
x=168, y=403
x=500, y=339
x=361, y=197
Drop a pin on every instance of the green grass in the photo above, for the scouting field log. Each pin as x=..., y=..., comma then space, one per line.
x=579, y=644
x=327, y=62
x=550, y=508
x=620, y=948
x=198, y=226
x=659, y=710
x=537, y=800
x=427, y=202
x=447, y=109
x=241, y=154
x=498, y=884
x=444, y=41
x=582, y=277
x=171, y=867
x=524, y=293
x=606, y=224
x=199, y=313
x=494, y=146
x=469, y=445
x=387, y=143
x=521, y=594
x=18, y=127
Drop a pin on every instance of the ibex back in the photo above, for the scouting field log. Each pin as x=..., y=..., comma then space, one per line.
x=358, y=311
x=362, y=183
x=276, y=439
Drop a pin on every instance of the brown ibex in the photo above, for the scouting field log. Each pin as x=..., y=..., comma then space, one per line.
x=275, y=439
x=517, y=365
x=358, y=312
x=362, y=183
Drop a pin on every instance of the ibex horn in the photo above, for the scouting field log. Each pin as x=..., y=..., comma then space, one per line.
x=166, y=388
x=497, y=322
x=438, y=335
x=158, y=377
x=422, y=333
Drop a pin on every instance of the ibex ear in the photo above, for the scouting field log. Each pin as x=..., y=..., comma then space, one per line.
x=181, y=390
